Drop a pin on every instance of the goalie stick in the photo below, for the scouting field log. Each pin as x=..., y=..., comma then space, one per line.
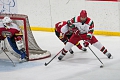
x=52, y=58
x=7, y=54
x=9, y=58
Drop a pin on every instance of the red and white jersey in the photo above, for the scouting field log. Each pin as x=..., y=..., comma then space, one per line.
x=87, y=27
x=61, y=27
x=13, y=28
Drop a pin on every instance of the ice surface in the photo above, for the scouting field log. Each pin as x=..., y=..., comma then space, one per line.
x=78, y=66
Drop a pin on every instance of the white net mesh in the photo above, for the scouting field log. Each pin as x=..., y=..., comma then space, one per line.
x=33, y=51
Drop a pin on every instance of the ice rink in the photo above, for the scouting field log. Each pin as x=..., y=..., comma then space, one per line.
x=78, y=66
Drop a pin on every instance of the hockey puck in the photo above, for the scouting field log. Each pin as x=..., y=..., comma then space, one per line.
x=45, y=64
x=101, y=66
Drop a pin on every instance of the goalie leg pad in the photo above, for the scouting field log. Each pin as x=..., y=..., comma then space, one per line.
x=11, y=47
x=2, y=45
x=19, y=42
x=1, y=50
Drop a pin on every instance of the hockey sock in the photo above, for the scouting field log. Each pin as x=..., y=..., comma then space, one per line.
x=99, y=46
x=64, y=52
x=68, y=46
x=79, y=46
x=103, y=50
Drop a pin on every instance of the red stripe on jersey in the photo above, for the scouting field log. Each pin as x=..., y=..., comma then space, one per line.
x=91, y=24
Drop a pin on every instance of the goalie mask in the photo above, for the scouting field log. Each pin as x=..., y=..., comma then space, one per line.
x=7, y=21
x=83, y=16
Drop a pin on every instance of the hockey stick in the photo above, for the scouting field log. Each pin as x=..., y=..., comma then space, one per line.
x=94, y=54
x=9, y=58
x=97, y=57
x=52, y=58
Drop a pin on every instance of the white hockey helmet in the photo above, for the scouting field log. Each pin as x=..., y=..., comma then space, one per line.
x=6, y=19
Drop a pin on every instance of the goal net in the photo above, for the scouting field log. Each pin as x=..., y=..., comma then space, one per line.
x=33, y=51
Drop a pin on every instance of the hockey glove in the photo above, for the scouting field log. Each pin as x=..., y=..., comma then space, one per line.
x=89, y=35
x=86, y=43
x=61, y=36
x=70, y=24
x=76, y=31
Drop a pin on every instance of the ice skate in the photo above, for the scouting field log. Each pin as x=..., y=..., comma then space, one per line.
x=71, y=51
x=84, y=49
x=109, y=56
x=61, y=57
x=22, y=60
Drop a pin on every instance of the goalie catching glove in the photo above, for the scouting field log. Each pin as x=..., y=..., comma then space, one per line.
x=63, y=38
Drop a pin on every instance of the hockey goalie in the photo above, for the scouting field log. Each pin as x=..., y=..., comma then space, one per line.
x=11, y=39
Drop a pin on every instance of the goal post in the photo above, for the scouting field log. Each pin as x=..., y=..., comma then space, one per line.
x=33, y=51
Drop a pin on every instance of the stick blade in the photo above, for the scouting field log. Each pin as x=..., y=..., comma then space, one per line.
x=46, y=64
x=102, y=66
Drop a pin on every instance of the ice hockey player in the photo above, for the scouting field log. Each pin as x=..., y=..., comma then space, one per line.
x=63, y=32
x=9, y=40
x=83, y=30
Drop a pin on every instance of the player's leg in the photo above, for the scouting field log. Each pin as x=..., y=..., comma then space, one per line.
x=99, y=46
x=64, y=40
x=78, y=45
x=72, y=41
x=67, y=47
x=81, y=47
x=68, y=37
